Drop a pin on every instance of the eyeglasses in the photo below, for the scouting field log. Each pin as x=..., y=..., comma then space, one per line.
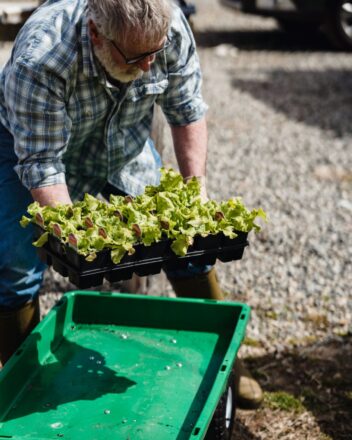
x=143, y=55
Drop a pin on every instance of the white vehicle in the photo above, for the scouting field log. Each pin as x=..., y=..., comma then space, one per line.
x=334, y=17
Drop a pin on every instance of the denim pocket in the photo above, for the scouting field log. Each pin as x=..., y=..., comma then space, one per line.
x=7, y=152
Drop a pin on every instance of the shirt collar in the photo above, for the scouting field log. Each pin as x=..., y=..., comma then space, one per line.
x=90, y=67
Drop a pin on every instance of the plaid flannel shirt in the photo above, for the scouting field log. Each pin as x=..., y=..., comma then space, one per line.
x=70, y=125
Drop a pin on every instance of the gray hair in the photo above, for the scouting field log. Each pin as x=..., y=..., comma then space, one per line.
x=122, y=20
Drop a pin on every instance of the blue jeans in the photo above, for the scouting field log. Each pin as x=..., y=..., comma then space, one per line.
x=21, y=271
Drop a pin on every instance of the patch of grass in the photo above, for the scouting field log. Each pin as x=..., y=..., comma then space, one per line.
x=317, y=320
x=349, y=395
x=271, y=314
x=340, y=332
x=307, y=340
x=284, y=401
x=251, y=342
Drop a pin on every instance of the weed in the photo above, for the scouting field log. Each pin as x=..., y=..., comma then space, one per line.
x=271, y=314
x=349, y=395
x=251, y=342
x=284, y=401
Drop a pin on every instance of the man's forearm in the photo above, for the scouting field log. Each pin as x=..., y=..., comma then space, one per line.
x=52, y=195
x=190, y=143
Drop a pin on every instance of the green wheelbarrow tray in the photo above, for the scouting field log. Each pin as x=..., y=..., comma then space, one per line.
x=117, y=366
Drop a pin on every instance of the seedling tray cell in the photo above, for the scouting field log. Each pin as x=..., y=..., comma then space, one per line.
x=115, y=366
x=158, y=249
x=207, y=259
x=178, y=263
x=231, y=254
x=119, y=274
x=56, y=245
x=209, y=242
x=80, y=262
x=149, y=269
x=86, y=279
x=227, y=242
x=53, y=243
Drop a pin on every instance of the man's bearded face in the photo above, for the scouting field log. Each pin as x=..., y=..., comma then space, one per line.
x=123, y=74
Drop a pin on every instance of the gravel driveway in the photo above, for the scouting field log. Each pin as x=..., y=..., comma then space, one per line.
x=280, y=136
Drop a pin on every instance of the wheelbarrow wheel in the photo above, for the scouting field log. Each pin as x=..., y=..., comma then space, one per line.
x=223, y=419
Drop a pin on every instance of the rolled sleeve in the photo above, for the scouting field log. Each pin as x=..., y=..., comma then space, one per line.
x=182, y=102
x=39, y=123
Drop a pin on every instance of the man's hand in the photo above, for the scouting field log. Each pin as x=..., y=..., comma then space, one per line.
x=52, y=195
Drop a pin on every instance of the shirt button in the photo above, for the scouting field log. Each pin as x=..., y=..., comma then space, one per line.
x=88, y=112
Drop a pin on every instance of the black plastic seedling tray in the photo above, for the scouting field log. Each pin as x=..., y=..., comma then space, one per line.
x=147, y=260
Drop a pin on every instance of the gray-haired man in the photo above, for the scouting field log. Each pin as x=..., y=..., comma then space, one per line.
x=76, y=108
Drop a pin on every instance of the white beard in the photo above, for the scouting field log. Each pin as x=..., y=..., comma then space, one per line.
x=124, y=75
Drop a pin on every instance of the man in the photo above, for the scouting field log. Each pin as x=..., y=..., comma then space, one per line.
x=76, y=107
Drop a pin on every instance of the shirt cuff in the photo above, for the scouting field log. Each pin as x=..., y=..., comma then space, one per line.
x=186, y=114
x=40, y=175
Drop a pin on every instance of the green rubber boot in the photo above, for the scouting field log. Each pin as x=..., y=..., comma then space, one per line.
x=248, y=393
x=200, y=286
x=15, y=326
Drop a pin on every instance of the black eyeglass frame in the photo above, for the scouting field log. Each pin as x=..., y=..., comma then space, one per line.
x=143, y=55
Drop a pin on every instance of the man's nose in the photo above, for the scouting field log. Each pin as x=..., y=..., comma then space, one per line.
x=146, y=63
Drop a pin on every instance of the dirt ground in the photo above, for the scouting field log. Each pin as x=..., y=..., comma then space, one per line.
x=307, y=394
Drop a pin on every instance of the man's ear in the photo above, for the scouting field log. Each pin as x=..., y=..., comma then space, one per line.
x=95, y=37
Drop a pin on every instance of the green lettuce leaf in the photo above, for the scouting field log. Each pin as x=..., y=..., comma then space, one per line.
x=41, y=240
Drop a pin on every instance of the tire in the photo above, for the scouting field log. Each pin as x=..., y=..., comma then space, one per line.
x=339, y=24
x=223, y=419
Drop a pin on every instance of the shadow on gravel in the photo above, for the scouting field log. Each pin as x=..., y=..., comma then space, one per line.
x=242, y=432
x=265, y=40
x=317, y=98
x=319, y=376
